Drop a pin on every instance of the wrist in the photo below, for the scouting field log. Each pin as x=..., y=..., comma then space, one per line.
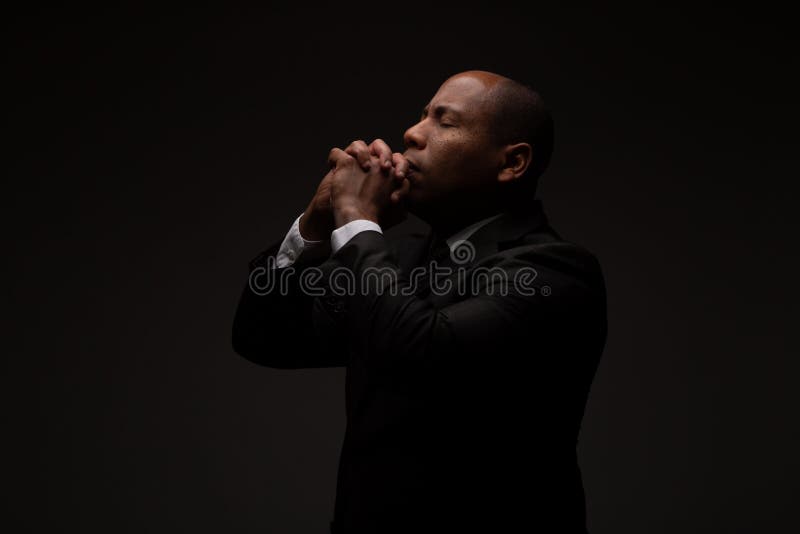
x=348, y=215
x=313, y=228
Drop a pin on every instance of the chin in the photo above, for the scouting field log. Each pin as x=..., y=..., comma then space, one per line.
x=417, y=204
x=414, y=199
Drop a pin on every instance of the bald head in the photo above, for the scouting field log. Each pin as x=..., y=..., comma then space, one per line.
x=489, y=79
x=516, y=114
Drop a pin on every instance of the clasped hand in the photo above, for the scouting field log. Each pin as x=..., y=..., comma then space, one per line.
x=364, y=182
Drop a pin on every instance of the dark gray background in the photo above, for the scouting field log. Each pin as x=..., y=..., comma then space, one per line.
x=152, y=154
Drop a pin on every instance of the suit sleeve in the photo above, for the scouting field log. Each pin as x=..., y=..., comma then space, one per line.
x=395, y=330
x=279, y=323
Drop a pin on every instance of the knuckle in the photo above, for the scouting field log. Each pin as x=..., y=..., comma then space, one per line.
x=355, y=148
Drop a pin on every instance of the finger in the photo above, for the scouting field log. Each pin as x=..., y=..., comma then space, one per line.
x=400, y=165
x=359, y=150
x=399, y=194
x=396, y=197
x=338, y=157
x=380, y=149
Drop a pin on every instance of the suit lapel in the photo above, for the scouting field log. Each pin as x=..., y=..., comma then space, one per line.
x=409, y=243
x=507, y=231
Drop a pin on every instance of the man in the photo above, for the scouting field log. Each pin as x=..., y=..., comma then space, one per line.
x=465, y=388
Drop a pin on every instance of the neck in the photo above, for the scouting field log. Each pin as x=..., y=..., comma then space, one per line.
x=446, y=222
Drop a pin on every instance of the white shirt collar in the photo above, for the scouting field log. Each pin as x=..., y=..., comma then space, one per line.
x=464, y=234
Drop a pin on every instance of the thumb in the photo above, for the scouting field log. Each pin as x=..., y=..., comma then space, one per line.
x=400, y=193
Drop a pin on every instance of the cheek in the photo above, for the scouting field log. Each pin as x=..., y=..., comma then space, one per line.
x=451, y=153
x=467, y=158
x=458, y=161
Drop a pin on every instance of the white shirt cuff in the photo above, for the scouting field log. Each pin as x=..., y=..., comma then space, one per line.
x=293, y=245
x=345, y=233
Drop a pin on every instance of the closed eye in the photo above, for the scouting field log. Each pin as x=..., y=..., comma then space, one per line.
x=440, y=113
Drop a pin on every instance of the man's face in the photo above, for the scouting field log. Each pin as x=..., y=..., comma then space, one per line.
x=452, y=159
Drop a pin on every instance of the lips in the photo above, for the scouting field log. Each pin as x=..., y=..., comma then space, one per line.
x=412, y=167
x=412, y=174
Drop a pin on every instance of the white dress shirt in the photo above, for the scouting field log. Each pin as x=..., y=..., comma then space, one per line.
x=294, y=244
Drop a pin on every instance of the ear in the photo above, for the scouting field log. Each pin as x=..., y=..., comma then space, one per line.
x=515, y=160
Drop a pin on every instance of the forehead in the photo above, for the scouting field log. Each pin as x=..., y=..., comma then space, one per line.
x=467, y=95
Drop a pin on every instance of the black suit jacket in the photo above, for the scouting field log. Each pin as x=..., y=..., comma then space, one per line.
x=463, y=405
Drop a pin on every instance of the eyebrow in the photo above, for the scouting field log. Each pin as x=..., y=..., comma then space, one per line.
x=440, y=110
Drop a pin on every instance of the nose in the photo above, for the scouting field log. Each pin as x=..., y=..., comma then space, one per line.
x=415, y=137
